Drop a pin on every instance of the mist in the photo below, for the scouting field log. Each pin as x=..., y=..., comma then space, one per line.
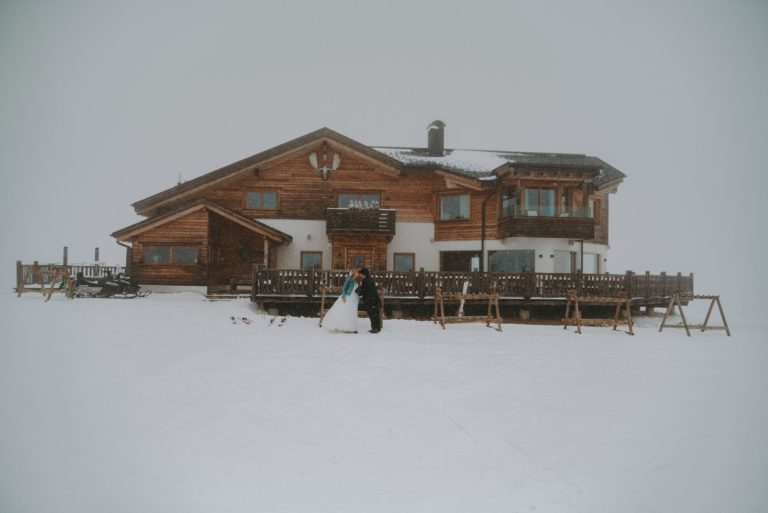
x=103, y=104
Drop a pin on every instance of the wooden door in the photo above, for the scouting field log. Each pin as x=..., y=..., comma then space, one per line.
x=359, y=257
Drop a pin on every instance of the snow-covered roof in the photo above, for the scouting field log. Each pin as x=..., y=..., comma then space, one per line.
x=480, y=164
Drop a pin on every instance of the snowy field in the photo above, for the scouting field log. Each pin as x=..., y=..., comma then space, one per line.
x=161, y=404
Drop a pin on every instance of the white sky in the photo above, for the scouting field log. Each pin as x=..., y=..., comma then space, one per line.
x=104, y=103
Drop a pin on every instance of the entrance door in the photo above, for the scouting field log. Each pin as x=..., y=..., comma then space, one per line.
x=359, y=257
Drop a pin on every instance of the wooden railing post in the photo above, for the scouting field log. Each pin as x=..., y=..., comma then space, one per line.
x=311, y=282
x=692, y=291
x=19, y=275
x=530, y=283
x=628, y=283
x=647, y=284
x=422, y=283
x=679, y=283
x=579, y=282
x=663, y=284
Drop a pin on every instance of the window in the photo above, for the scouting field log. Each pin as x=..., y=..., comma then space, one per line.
x=594, y=210
x=570, y=261
x=170, y=254
x=511, y=261
x=311, y=260
x=157, y=254
x=405, y=262
x=261, y=200
x=539, y=201
x=459, y=261
x=453, y=207
x=360, y=200
x=565, y=261
x=509, y=202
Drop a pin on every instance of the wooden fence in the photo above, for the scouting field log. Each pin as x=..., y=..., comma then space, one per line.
x=422, y=284
x=89, y=271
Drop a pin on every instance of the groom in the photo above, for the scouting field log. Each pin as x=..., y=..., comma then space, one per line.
x=371, y=301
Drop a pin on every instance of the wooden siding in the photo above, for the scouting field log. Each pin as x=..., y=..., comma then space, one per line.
x=190, y=230
x=415, y=196
x=555, y=227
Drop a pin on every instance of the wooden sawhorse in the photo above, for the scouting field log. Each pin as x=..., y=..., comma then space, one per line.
x=676, y=301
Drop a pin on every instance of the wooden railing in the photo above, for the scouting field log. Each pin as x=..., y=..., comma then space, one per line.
x=89, y=271
x=422, y=284
x=543, y=226
x=342, y=220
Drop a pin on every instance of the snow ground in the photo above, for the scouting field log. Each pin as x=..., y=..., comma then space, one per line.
x=161, y=404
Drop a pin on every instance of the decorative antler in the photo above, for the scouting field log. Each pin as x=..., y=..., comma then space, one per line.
x=325, y=169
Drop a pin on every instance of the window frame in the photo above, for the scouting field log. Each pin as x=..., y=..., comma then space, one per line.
x=301, y=260
x=454, y=194
x=394, y=261
x=515, y=204
x=539, y=197
x=169, y=247
x=261, y=193
x=529, y=252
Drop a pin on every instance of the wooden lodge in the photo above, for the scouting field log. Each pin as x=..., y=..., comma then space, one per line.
x=285, y=222
x=326, y=202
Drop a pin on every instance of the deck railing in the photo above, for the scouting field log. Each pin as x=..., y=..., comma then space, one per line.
x=89, y=271
x=422, y=284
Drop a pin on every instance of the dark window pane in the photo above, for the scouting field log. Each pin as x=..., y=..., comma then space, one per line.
x=310, y=260
x=532, y=202
x=253, y=200
x=346, y=200
x=404, y=262
x=459, y=261
x=184, y=254
x=269, y=200
x=156, y=254
x=511, y=261
x=547, y=202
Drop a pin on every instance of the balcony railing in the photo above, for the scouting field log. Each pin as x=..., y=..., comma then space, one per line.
x=356, y=220
x=565, y=226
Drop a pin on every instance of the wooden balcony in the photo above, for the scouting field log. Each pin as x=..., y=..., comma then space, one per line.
x=580, y=228
x=357, y=220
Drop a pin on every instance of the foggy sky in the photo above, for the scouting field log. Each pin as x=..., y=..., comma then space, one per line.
x=105, y=103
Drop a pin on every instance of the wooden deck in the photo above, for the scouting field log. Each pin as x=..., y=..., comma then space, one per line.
x=300, y=290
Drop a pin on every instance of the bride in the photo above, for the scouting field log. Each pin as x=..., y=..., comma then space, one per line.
x=342, y=317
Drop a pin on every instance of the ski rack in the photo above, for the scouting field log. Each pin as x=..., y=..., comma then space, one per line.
x=621, y=300
x=677, y=299
x=53, y=276
x=493, y=301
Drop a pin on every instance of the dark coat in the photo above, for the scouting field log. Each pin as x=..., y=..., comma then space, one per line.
x=369, y=293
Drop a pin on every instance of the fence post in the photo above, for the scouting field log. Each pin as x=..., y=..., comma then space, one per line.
x=530, y=283
x=422, y=283
x=663, y=291
x=19, y=275
x=628, y=283
x=679, y=283
x=692, y=291
x=647, y=283
x=65, y=258
x=579, y=281
x=254, y=281
x=311, y=281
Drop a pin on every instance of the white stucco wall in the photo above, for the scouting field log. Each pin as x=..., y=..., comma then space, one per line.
x=307, y=235
x=417, y=238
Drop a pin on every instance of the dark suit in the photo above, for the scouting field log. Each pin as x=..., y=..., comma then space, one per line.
x=369, y=293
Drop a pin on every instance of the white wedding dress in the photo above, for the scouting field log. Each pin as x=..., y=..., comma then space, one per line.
x=342, y=317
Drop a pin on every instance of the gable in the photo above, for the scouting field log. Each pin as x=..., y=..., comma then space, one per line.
x=324, y=139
